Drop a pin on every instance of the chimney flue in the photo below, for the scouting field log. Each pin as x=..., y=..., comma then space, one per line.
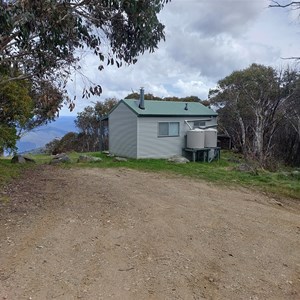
x=142, y=99
x=186, y=107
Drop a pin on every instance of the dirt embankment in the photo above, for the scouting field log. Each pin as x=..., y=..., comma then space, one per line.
x=123, y=234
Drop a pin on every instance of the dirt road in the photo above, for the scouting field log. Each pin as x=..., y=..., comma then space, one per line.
x=123, y=234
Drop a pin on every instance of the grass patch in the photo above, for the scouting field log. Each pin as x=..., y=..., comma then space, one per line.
x=283, y=183
x=219, y=172
x=9, y=171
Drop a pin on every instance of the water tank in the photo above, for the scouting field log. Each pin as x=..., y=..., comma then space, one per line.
x=195, y=138
x=210, y=137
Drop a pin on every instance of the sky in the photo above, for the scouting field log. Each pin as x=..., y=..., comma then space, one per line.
x=206, y=40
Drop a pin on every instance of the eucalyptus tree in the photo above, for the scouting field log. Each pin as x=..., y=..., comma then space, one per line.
x=42, y=39
x=288, y=136
x=89, y=123
x=23, y=107
x=150, y=96
x=15, y=109
x=253, y=102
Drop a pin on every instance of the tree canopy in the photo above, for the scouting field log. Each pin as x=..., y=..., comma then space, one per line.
x=253, y=104
x=15, y=109
x=23, y=107
x=42, y=38
x=176, y=99
x=41, y=43
x=92, y=133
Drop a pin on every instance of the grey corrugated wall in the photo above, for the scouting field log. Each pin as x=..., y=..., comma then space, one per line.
x=123, y=132
x=151, y=146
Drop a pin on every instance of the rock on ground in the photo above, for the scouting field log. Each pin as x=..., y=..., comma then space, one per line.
x=87, y=158
x=178, y=159
x=60, y=158
x=120, y=159
x=22, y=159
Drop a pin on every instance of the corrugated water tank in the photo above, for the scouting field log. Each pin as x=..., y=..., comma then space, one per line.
x=195, y=138
x=210, y=137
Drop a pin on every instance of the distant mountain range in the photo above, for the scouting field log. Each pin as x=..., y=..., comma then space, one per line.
x=40, y=136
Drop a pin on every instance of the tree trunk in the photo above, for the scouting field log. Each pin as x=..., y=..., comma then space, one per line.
x=259, y=137
x=243, y=132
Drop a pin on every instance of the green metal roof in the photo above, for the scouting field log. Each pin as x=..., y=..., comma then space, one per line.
x=169, y=108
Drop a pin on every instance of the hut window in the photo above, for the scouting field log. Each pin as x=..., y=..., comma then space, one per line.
x=198, y=124
x=168, y=129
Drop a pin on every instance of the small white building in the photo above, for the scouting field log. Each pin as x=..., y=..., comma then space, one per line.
x=155, y=129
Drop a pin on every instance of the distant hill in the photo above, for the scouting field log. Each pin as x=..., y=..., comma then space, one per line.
x=40, y=136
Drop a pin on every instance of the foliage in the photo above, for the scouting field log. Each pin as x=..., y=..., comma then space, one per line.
x=69, y=142
x=92, y=131
x=24, y=106
x=47, y=101
x=15, y=109
x=43, y=39
x=146, y=96
x=90, y=125
x=103, y=108
x=175, y=99
x=183, y=99
x=15, y=102
x=287, y=137
x=50, y=148
x=253, y=103
x=8, y=138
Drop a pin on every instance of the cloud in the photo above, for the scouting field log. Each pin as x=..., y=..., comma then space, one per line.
x=205, y=41
x=213, y=17
x=211, y=39
x=191, y=88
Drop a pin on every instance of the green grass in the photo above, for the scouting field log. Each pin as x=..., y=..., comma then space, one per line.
x=220, y=172
x=9, y=171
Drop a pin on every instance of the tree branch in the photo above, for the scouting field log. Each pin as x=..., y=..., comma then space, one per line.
x=20, y=77
x=293, y=57
x=293, y=3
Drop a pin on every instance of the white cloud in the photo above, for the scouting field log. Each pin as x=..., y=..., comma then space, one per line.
x=205, y=41
x=192, y=88
x=213, y=17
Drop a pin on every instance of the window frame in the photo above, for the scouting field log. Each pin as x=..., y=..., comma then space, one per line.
x=199, y=126
x=168, y=135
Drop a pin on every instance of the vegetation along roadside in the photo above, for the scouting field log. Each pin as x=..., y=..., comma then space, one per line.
x=226, y=171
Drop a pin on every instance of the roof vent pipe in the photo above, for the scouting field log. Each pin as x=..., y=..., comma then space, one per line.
x=186, y=107
x=142, y=99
